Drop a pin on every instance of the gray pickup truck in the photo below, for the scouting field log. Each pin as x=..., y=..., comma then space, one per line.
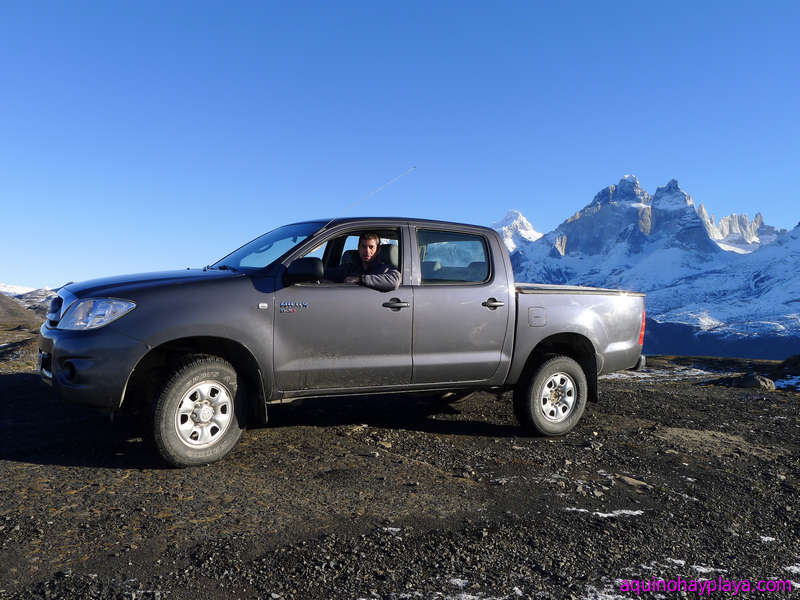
x=201, y=353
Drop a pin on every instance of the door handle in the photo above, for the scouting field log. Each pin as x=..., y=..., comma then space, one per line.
x=493, y=303
x=395, y=304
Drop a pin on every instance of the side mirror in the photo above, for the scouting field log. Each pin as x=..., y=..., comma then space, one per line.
x=304, y=269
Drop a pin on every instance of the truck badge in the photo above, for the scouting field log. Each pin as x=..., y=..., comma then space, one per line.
x=293, y=307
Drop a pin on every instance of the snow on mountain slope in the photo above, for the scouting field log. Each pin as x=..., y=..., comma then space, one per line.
x=664, y=246
x=14, y=290
x=515, y=229
x=758, y=294
x=37, y=300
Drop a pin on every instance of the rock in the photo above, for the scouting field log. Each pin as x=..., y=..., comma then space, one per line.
x=752, y=380
x=749, y=381
x=640, y=486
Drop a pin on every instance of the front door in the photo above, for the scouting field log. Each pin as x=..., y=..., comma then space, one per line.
x=341, y=336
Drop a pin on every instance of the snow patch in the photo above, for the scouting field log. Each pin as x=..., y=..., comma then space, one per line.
x=766, y=539
x=619, y=513
x=394, y=530
x=795, y=569
x=677, y=374
x=706, y=321
x=702, y=569
x=607, y=593
x=623, y=512
x=734, y=248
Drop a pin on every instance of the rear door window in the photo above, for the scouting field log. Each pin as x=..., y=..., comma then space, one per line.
x=452, y=257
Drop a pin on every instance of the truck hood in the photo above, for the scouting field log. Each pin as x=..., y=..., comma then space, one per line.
x=121, y=284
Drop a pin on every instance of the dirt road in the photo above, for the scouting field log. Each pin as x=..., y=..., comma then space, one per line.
x=390, y=497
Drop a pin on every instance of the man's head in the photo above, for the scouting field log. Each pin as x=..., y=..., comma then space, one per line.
x=368, y=245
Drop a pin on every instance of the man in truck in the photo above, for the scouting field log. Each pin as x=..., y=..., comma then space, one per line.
x=370, y=271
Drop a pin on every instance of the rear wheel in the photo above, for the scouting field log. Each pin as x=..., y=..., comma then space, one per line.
x=197, y=418
x=551, y=400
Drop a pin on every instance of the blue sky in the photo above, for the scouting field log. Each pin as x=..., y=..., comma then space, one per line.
x=141, y=136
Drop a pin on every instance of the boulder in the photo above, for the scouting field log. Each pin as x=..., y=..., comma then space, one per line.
x=748, y=381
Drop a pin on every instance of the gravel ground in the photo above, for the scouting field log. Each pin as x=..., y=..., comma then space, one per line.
x=398, y=497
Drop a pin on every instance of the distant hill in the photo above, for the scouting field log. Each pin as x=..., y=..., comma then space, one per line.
x=14, y=290
x=13, y=314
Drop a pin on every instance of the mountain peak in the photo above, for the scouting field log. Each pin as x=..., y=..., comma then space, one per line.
x=627, y=190
x=512, y=216
x=514, y=229
x=672, y=186
x=672, y=197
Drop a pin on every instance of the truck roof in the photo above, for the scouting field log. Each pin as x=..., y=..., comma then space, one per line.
x=413, y=221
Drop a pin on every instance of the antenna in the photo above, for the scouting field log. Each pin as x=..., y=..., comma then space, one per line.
x=372, y=193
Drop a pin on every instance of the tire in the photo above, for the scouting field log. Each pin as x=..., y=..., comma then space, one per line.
x=551, y=400
x=198, y=416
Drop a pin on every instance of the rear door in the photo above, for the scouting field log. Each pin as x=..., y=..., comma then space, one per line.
x=461, y=307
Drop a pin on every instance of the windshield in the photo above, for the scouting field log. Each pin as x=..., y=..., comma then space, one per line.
x=268, y=248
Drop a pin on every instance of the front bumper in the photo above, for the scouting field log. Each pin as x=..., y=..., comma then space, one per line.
x=88, y=367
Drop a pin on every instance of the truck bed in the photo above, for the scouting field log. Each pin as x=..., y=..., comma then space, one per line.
x=542, y=288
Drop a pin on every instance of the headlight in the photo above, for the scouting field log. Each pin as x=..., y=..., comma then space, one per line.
x=94, y=312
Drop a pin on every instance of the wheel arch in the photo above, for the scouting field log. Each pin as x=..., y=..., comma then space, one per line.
x=153, y=367
x=574, y=345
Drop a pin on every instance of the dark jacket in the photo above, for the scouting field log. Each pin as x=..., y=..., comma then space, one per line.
x=378, y=276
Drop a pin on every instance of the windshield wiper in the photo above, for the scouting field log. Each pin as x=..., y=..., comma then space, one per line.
x=226, y=268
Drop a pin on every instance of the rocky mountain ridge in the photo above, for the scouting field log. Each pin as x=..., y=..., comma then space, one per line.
x=724, y=282
x=35, y=300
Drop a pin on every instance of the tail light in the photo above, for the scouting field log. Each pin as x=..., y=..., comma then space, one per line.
x=641, y=332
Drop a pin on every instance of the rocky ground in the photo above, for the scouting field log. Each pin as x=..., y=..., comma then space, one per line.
x=670, y=474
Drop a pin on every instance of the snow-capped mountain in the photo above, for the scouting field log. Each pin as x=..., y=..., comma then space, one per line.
x=682, y=258
x=37, y=300
x=515, y=229
x=622, y=238
x=14, y=290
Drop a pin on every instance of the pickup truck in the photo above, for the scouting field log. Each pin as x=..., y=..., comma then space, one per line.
x=200, y=354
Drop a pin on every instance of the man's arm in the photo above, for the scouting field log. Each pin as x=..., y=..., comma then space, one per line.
x=384, y=278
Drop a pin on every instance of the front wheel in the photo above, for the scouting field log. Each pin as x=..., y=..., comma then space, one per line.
x=551, y=400
x=196, y=417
